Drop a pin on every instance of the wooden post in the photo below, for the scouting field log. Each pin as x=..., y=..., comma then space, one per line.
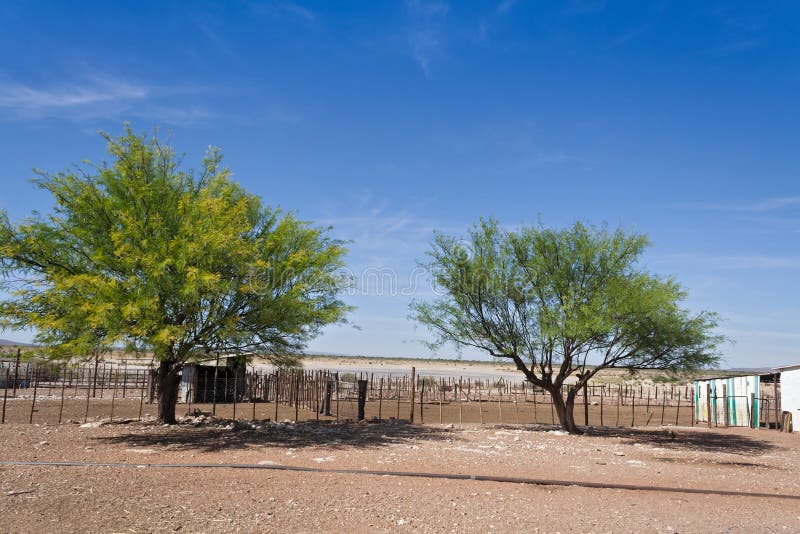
x=362, y=398
x=441, y=395
x=499, y=402
x=535, y=415
x=602, y=389
x=663, y=407
x=480, y=404
x=5, y=396
x=585, y=405
x=678, y=410
x=277, y=390
x=397, y=388
x=752, y=408
x=460, y=402
x=725, y=405
x=633, y=409
x=63, y=387
x=777, y=404
x=326, y=401
x=86, y=413
x=619, y=400
x=214, y=387
x=296, y=397
x=16, y=374
x=422, y=403
x=141, y=392
x=380, y=400
x=337, y=396
x=412, y=395
x=516, y=408
x=114, y=395
x=35, y=388
x=708, y=402
x=235, y=387
x=94, y=386
x=253, y=385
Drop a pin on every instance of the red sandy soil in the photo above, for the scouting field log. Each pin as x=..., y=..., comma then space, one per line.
x=193, y=499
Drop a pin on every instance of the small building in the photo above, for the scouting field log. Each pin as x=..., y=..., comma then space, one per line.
x=790, y=396
x=206, y=382
x=738, y=397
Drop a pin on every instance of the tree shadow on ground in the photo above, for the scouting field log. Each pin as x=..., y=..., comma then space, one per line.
x=227, y=435
x=698, y=440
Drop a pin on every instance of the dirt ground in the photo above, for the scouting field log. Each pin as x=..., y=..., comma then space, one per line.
x=144, y=497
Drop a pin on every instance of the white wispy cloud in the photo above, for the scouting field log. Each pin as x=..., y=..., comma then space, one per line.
x=277, y=8
x=25, y=98
x=298, y=11
x=628, y=36
x=758, y=206
x=426, y=32
x=505, y=6
x=99, y=97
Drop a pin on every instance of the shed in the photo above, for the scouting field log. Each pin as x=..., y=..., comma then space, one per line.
x=741, y=394
x=790, y=395
x=208, y=383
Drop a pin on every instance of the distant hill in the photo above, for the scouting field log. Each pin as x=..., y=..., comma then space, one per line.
x=9, y=343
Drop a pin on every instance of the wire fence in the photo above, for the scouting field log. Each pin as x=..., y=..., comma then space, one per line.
x=48, y=392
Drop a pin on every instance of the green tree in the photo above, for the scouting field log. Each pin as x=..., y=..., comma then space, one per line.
x=141, y=254
x=560, y=303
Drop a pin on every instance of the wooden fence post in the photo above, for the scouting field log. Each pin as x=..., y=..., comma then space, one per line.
x=480, y=404
x=602, y=389
x=362, y=398
x=422, y=402
x=16, y=374
x=708, y=403
x=777, y=405
x=35, y=388
x=86, y=413
x=114, y=395
x=235, y=387
x=214, y=388
x=380, y=400
x=412, y=392
x=63, y=387
x=441, y=396
x=585, y=405
x=5, y=396
x=725, y=405
x=141, y=392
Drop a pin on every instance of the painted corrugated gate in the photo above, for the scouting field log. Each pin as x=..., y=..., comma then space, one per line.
x=738, y=390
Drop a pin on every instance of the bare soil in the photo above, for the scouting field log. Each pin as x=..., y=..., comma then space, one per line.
x=35, y=498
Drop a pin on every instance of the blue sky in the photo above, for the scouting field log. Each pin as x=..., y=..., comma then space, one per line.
x=388, y=120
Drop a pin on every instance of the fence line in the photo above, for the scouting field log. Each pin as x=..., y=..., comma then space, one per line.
x=35, y=391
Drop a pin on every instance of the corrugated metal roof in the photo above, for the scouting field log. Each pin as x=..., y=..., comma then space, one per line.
x=787, y=367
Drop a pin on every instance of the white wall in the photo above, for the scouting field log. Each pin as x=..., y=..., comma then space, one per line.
x=790, y=395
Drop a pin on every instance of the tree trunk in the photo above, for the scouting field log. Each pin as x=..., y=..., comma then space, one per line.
x=565, y=410
x=167, y=380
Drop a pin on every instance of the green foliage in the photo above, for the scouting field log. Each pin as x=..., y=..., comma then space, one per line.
x=664, y=379
x=140, y=253
x=554, y=300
